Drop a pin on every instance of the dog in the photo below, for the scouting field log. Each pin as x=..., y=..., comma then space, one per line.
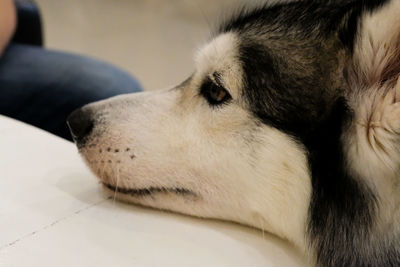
x=290, y=123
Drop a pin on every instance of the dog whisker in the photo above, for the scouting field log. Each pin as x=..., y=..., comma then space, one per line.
x=262, y=228
x=117, y=184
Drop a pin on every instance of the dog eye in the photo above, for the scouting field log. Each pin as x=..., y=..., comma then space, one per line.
x=215, y=94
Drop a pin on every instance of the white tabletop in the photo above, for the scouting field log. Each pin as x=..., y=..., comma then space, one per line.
x=54, y=213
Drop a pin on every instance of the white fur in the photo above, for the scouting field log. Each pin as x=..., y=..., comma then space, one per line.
x=377, y=46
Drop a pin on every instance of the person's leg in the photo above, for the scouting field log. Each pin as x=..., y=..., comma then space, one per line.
x=43, y=87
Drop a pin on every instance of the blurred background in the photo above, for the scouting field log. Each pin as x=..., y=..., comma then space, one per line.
x=152, y=39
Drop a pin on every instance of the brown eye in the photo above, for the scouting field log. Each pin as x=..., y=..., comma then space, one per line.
x=215, y=94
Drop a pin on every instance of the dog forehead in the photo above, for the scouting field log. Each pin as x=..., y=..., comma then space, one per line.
x=221, y=57
x=219, y=54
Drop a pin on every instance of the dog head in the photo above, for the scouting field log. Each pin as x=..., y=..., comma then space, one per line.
x=254, y=134
x=198, y=148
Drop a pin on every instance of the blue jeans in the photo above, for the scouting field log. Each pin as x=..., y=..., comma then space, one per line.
x=43, y=87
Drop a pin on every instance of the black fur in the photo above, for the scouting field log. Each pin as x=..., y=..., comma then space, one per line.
x=294, y=58
x=142, y=192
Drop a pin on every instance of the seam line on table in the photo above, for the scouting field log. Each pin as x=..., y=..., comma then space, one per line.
x=10, y=244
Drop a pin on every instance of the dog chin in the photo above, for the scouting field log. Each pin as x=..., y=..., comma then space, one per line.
x=149, y=191
x=177, y=200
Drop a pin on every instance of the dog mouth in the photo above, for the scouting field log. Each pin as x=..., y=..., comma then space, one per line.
x=143, y=192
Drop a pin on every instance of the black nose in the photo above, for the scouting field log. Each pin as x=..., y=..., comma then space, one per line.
x=80, y=124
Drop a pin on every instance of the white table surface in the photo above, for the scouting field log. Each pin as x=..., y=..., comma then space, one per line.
x=53, y=213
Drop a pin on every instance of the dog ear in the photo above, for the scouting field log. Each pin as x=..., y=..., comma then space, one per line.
x=373, y=77
x=376, y=55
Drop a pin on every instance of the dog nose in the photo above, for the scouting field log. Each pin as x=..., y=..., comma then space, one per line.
x=80, y=124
